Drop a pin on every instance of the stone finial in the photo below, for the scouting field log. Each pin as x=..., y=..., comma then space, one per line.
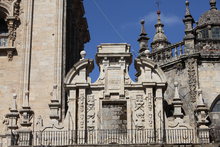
x=143, y=39
x=158, y=17
x=213, y=4
x=83, y=54
x=176, y=94
x=202, y=111
x=160, y=40
x=143, y=31
x=177, y=103
x=188, y=22
x=14, y=103
x=200, y=101
x=26, y=99
x=187, y=8
x=13, y=115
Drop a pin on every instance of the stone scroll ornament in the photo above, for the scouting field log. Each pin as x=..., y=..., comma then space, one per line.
x=91, y=112
x=139, y=113
x=192, y=79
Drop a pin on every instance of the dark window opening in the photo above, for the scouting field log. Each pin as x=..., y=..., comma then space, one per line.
x=216, y=107
x=204, y=34
x=216, y=32
x=3, y=26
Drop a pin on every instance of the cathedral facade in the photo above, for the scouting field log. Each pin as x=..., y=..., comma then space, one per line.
x=49, y=99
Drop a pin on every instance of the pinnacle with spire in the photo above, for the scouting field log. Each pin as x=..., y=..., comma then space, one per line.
x=213, y=4
x=187, y=9
x=160, y=40
x=143, y=39
x=188, y=21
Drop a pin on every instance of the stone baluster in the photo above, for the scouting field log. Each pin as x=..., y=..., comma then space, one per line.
x=181, y=50
x=176, y=52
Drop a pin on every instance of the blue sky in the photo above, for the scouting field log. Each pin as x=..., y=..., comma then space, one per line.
x=117, y=21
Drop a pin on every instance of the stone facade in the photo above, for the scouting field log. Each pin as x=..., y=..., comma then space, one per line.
x=35, y=56
x=52, y=101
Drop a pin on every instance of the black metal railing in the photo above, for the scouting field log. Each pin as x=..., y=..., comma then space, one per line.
x=90, y=137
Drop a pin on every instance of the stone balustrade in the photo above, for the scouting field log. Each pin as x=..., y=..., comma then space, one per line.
x=168, y=54
x=102, y=137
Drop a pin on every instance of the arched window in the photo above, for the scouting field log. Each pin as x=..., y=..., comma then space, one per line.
x=204, y=34
x=216, y=106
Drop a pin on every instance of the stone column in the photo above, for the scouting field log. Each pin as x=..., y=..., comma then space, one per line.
x=159, y=114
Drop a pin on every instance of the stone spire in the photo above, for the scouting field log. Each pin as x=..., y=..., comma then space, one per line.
x=160, y=40
x=187, y=9
x=213, y=4
x=188, y=21
x=143, y=40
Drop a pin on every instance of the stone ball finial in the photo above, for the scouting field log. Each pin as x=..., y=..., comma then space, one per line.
x=146, y=52
x=187, y=3
x=176, y=84
x=83, y=54
x=142, y=21
x=14, y=96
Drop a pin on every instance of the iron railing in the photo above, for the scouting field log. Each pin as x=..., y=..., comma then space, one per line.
x=101, y=137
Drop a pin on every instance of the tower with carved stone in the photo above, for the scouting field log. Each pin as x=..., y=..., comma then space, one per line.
x=39, y=43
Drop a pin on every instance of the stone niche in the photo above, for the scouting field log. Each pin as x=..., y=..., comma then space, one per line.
x=114, y=101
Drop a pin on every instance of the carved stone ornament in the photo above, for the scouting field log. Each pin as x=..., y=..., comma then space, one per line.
x=139, y=112
x=192, y=79
x=91, y=112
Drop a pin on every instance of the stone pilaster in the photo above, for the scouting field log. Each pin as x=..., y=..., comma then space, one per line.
x=159, y=114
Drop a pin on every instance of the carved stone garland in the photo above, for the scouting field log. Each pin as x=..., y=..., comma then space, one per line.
x=81, y=104
x=192, y=78
x=139, y=113
x=150, y=110
x=91, y=112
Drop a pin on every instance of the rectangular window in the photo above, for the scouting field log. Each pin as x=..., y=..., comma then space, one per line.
x=204, y=33
x=216, y=32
